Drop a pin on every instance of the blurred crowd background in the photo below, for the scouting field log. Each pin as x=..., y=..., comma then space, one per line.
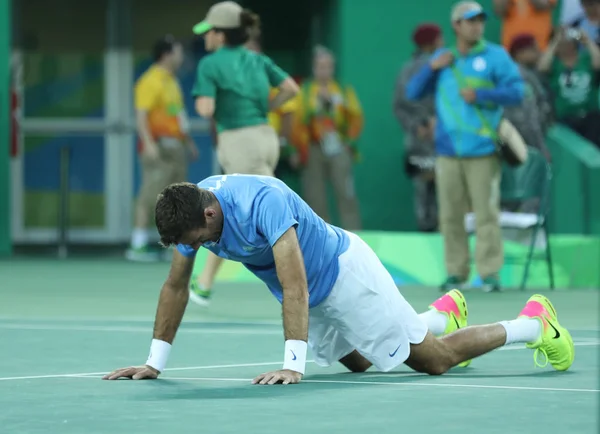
x=75, y=67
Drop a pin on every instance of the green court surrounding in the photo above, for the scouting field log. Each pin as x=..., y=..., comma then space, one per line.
x=65, y=323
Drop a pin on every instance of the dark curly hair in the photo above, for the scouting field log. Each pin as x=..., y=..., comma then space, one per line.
x=179, y=209
x=240, y=35
x=164, y=46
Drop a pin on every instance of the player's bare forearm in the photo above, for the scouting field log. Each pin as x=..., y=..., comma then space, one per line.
x=295, y=313
x=292, y=275
x=173, y=299
x=171, y=307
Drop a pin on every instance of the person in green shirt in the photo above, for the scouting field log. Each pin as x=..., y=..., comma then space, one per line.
x=572, y=66
x=232, y=88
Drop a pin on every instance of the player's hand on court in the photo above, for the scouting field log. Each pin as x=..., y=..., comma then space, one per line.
x=133, y=372
x=284, y=376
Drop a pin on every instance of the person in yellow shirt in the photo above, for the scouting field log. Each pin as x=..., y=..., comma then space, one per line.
x=164, y=141
x=328, y=121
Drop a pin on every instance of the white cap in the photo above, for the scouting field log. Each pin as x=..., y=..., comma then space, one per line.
x=223, y=15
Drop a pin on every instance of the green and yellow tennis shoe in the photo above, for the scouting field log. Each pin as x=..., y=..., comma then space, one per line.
x=555, y=341
x=454, y=306
x=199, y=294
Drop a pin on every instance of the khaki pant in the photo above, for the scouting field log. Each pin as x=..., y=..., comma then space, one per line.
x=464, y=185
x=338, y=169
x=250, y=150
x=171, y=167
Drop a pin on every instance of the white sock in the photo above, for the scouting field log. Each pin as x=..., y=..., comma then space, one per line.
x=523, y=330
x=436, y=321
x=139, y=238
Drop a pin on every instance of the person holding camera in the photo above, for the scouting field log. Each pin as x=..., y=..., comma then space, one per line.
x=328, y=121
x=573, y=75
x=588, y=21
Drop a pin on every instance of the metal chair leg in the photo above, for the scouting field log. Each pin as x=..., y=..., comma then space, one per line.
x=549, y=257
x=529, y=257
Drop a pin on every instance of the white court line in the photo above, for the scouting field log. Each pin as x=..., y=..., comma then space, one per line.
x=134, y=319
x=389, y=383
x=590, y=342
x=240, y=365
x=186, y=368
x=211, y=329
x=138, y=329
x=215, y=322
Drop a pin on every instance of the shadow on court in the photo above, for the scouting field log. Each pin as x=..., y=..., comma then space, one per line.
x=173, y=389
x=407, y=377
x=201, y=389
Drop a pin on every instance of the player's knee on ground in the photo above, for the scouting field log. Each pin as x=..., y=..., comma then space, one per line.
x=437, y=369
x=432, y=356
x=355, y=362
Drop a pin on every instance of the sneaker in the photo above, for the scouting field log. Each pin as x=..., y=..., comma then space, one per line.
x=198, y=294
x=490, y=284
x=555, y=342
x=142, y=254
x=453, y=282
x=454, y=306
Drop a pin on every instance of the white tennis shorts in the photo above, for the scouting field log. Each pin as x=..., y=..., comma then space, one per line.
x=364, y=312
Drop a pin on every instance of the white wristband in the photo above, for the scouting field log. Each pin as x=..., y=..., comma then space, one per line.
x=159, y=354
x=295, y=356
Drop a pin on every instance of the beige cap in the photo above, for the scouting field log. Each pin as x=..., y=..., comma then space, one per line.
x=466, y=10
x=223, y=15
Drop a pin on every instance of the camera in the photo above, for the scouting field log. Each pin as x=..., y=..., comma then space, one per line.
x=574, y=34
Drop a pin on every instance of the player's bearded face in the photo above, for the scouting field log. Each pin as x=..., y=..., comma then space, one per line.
x=211, y=232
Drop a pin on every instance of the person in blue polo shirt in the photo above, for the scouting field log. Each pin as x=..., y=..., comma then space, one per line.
x=472, y=82
x=336, y=295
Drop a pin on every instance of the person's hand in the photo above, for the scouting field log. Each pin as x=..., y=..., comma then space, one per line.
x=133, y=372
x=151, y=151
x=427, y=175
x=294, y=161
x=547, y=155
x=284, y=376
x=324, y=92
x=442, y=61
x=426, y=131
x=432, y=124
x=194, y=153
x=422, y=132
x=560, y=35
x=468, y=95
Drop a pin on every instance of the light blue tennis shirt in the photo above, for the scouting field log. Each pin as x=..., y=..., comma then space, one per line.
x=257, y=211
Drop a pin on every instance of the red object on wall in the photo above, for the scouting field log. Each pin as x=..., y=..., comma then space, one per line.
x=14, y=125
